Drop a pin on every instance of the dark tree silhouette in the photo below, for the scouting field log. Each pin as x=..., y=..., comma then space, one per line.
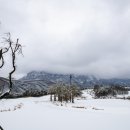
x=15, y=48
x=62, y=92
x=1, y=128
x=2, y=51
x=70, y=79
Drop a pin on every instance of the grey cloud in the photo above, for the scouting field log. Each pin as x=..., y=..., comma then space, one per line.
x=72, y=36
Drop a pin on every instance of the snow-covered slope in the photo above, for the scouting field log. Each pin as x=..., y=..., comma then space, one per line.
x=87, y=113
x=83, y=81
x=24, y=88
x=4, y=86
x=36, y=83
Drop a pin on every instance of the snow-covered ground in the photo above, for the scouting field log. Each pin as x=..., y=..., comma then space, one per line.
x=85, y=114
x=124, y=95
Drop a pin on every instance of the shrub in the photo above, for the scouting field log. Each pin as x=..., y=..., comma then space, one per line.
x=61, y=92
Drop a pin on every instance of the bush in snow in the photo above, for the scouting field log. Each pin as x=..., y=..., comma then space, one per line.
x=128, y=97
x=61, y=92
x=102, y=91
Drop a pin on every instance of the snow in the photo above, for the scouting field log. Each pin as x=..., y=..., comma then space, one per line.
x=124, y=95
x=86, y=113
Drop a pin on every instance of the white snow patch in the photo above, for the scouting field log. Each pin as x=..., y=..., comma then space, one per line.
x=86, y=113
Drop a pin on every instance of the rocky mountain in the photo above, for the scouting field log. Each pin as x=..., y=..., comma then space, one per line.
x=83, y=81
x=36, y=83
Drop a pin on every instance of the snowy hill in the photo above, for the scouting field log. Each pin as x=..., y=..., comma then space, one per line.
x=86, y=113
x=36, y=83
x=24, y=88
x=83, y=81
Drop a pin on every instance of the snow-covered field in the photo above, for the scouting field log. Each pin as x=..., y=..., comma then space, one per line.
x=85, y=114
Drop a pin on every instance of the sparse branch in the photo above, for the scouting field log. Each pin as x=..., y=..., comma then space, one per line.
x=5, y=50
x=15, y=48
x=2, y=60
x=61, y=92
x=2, y=52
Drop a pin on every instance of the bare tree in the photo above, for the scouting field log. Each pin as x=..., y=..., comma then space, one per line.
x=63, y=92
x=52, y=92
x=15, y=48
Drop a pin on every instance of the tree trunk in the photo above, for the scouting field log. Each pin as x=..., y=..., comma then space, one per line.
x=10, y=74
x=51, y=97
x=1, y=128
x=54, y=97
x=72, y=99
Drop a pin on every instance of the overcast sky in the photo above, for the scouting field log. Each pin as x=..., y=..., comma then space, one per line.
x=69, y=36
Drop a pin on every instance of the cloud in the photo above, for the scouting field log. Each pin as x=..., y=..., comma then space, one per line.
x=72, y=36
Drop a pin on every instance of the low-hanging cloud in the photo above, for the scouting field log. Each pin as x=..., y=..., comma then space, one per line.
x=72, y=36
